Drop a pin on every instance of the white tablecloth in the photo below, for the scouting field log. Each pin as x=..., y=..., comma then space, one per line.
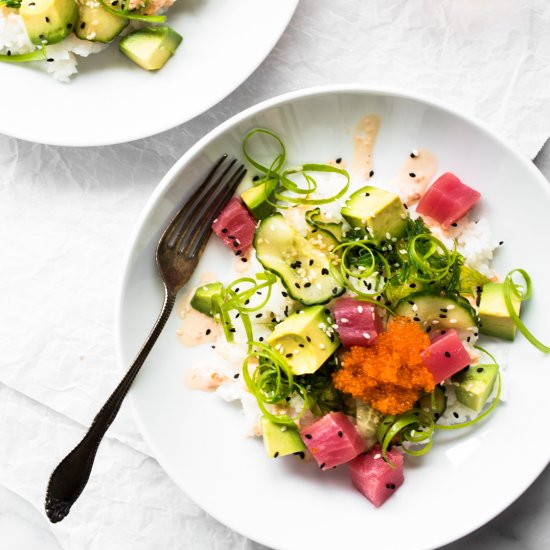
x=66, y=215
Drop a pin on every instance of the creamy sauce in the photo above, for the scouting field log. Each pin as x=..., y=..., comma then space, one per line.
x=204, y=377
x=196, y=328
x=363, y=143
x=414, y=175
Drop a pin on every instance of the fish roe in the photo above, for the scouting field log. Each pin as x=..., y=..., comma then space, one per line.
x=389, y=375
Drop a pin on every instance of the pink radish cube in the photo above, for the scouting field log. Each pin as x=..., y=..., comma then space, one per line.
x=374, y=477
x=333, y=440
x=235, y=226
x=445, y=356
x=447, y=200
x=358, y=322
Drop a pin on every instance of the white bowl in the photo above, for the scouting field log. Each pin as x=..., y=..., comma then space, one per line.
x=112, y=100
x=468, y=477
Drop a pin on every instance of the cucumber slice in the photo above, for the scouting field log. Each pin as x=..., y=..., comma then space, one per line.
x=305, y=271
x=434, y=403
x=439, y=312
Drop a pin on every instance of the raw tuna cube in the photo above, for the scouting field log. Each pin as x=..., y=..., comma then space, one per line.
x=374, y=477
x=447, y=200
x=358, y=322
x=235, y=226
x=333, y=440
x=445, y=356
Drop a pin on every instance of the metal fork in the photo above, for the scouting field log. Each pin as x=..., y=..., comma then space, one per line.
x=178, y=252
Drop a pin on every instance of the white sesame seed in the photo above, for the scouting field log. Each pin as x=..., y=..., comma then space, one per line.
x=360, y=309
x=414, y=307
x=377, y=456
x=335, y=326
x=415, y=153
x=366, y=335
x=344, y=320
x=453, y=321
x=388, y=236
x=322, y=346
x=435, y=322
x=450, y=307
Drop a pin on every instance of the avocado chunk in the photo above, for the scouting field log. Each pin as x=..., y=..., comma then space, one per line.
x=280, y=440
x=306, y=339
x=48, y=21
x=493, y=314
x=256, y=199
x=202, y=299
x=377, y=213
x=475, y=384
x=151, y=47
x=96, y=24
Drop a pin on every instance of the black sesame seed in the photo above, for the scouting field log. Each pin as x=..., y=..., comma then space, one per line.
x=284, y=294
x=447, y=354
x=244, y=260
x=475, y=334
x=371, y=173
x=47, y=19
x=258, y=315
x=235, y=376
x=273, y=320
x=69, y=26
x=455, y=414
x=287, y=398
x=416, y=318
x=308, y=339
x=443, y=332
x=411, y=303
x=367, y=194
x=324, y=271
x=412, y=285
x=288, y=355
x=338, y=160
x=335, y=290
x=392, y=486
x=297, y=285
x=235, y=244
x=436, y=415
x=224, y=230
x=413, y=156
x=405, y=206
x=276, y=454
x=232, y=330
x=82, y=25
x=501, y=243
x=238, y=253
x=443, y=309
x=307, y=285
x=256, y=178
x=213, y=347
x=441, y=316
x=340, y=433
x=114, y=2
x=412, y=174
x=50, y=59
x=301, y=345
x=302, y=455
x=322, y=465
x=480, y=369
x=310, y=262
x=232, y=237
x=208, y=331
x=309, y=436
x=9, y=52
x=261, y=339
x=428, y=329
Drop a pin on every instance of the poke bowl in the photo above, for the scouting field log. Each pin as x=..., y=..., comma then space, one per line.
x=351, y=145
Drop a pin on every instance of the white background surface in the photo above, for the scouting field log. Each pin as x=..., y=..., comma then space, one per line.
x=66, y=214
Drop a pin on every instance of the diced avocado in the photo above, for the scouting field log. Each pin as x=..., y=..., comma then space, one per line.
x=377, y=213
x=475, y=384
x=280, y=440
x=151, y=47
x=306, y=339
x=96, y=24
x=202, y=299
x=48, y=21
x=434, y=403
x=257, y=201
x=493, y=314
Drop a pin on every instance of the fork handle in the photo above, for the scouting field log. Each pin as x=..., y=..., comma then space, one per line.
x=71, y=475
